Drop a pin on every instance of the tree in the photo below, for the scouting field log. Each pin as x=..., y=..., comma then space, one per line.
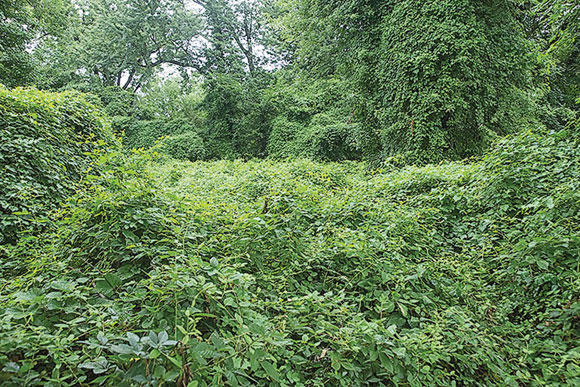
x=123, y=42
x=172, y=98
x=437, y=79
x=561, y=19
x=446, y=79
x=237, y=34
x=24, y=24
x=235, y=69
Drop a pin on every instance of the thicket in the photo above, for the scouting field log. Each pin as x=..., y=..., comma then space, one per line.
x=47, y=144
x=420, y=81
x=325, y=138
x=292, y=118
x=164, y=114
x=448, y=78
x=301, y=273
x=127, y=258
x=187, y=146
x=437, y=80
x=313, y=119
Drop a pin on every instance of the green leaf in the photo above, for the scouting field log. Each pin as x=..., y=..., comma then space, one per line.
x=400, y=352
x=113, y=280
x=175, y=361
x=257, y=329
x=336, y=360
x=229, y=301
x=544, y=265
x=270, y=370
x=404, y=310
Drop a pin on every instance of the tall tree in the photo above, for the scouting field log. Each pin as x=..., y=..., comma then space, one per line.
x=437, y=79
x=236, y=59
x=561, y=20
x=123, y=42
x=236, y=33
x=24, y=24
x=447, y=77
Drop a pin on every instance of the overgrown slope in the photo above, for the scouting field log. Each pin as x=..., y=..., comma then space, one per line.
x=47, y=143
x=301, y=273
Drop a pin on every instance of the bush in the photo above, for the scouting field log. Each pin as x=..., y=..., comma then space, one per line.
x=434, y=275
x=186, y=146
x=330, y=138
x=48, y=142
x=184, y=143
x=282, y=140
x=144, y=134
x=326, y=137
x=238, y=116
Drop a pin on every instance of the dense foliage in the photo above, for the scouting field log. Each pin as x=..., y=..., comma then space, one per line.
x=560, y=21
x=437, y=78
x=121, y=43
x=23, y=23
x=419, y=81
x=446, y=77
x=299, y=273
x=47, y=144
x=289, y=193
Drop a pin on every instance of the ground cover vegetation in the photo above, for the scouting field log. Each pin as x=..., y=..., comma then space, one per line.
x=293, y=193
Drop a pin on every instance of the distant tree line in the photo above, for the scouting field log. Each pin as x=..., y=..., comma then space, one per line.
x=406, y=81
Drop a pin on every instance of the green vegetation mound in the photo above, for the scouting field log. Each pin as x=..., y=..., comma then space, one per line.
x=302, y=273
x=180, y=139
x=325, y=138
x=47, y=144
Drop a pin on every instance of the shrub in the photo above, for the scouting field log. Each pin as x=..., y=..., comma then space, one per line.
x=184, y=143
x=144, y=134
x=186, y=146
x=330, y=138
x=282, y=140
x=238, y=115
x=325, y=138
x=48, y=142
x=434, y=275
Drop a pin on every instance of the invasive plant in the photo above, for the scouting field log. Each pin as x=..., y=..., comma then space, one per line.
x=260, y=273
x=48, y=143
x=186, y=146
x=325, y=138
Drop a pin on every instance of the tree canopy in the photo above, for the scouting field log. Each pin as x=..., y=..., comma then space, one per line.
x=412, y=81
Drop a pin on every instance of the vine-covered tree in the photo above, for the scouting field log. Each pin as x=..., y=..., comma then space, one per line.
x=562, y=21
x=447, y=77
x=437, y=78
x=236, y=58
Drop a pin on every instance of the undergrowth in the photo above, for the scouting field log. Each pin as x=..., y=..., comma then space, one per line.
x=303, y=273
